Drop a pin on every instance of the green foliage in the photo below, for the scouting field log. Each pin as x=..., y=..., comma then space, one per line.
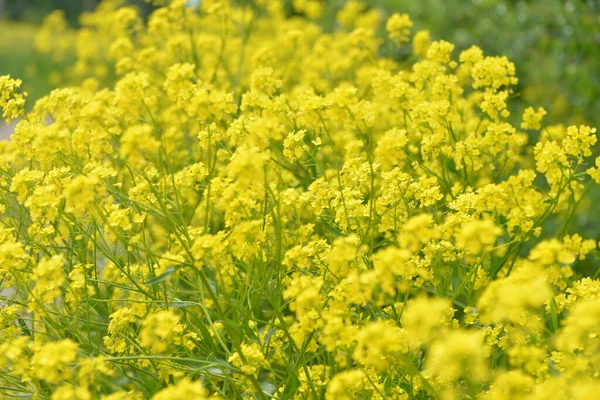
x=555, y=45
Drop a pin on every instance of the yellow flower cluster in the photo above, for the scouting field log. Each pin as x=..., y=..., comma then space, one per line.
x=12, y=103
x=235, y=202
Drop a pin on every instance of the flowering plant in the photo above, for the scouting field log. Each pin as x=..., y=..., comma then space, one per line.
x=259, y=208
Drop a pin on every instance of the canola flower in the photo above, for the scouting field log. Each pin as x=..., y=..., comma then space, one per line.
x=259, y=208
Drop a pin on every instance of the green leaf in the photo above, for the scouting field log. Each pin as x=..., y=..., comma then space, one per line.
x=168, y=272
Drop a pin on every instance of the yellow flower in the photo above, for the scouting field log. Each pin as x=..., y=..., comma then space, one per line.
x=426, y=318
x=398, y=27
x=11, y=102
x=69, y=392
x=161, y=330
x=478, y=236
x=182, y=390
x=516, y=299
x=580, y=331
x=460, y=354
x=532, y=119
x=379, y=345
x=292, y=145
x=49, y=277
x=51, y=361
x=250, y=359
x=493, y=72
x=346, y=385
x=440, y=51
x=579, y=140
x=421, y=43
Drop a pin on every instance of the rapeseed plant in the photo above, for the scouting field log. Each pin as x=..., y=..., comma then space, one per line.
x=259, y=208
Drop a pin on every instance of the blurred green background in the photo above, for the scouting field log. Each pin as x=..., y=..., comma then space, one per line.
x=20, y=21
x=555, y=44
x=35, y=10
x=19, y=24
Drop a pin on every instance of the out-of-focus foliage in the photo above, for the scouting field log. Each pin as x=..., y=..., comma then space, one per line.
x=19, y=58
x=20, y=55
x=555, y=44
x=35, y=10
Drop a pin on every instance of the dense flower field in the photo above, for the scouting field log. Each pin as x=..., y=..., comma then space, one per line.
x=261, y=208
